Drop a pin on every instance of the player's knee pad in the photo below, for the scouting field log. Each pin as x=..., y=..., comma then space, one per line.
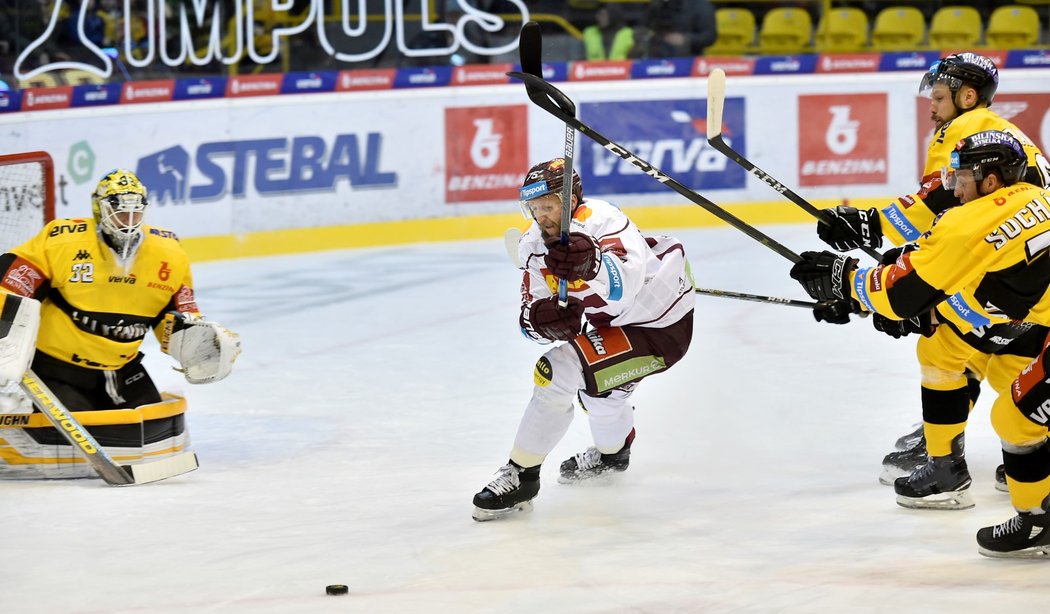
x=936, y=378
x=558, y=374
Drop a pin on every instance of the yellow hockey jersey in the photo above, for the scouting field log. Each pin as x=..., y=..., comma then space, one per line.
x=907, y=217
x=993, y=249
x=95, y=311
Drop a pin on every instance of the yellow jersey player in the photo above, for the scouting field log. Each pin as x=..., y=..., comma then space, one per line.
x=103, y=284
x=969, y=345
x=995, y=247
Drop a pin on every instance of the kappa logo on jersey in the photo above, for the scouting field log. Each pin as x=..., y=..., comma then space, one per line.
x=279, y=165
x=485, y=150
x=842, y=143
x=602, y=344
x=82, y=254
x=669, y=134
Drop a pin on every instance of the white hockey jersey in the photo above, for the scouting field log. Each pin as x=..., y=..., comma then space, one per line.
x=641, y=282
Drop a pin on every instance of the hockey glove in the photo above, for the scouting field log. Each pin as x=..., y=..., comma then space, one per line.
x=824, y=275
x=890, y=256
x=205, y=350
x=834, y=312
x=921, y=324
x=580, y=259
x=851, y=228
x=544, y=319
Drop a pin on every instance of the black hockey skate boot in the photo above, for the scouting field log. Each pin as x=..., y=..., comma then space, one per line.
x=1025, y=536
x=941, y=484
x=591, y=462
x=512, y=490
x=1000, y=479
x=903, y=463
x=909, y=441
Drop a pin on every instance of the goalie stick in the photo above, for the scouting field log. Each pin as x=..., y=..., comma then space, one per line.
x=716, y=96
x=513, y=235
x=87, y=447
x=530, y=49
x=555, y=102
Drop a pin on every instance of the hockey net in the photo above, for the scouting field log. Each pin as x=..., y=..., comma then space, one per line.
x=27, y=196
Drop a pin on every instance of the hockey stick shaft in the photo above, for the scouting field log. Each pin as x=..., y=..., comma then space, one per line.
x=757, y=298
x=716, y=93
x=83, y=443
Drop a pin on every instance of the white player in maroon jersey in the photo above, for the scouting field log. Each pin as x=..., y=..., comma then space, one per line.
x=629, y=315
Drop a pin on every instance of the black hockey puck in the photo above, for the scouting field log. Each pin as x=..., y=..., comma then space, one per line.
x=337, y=589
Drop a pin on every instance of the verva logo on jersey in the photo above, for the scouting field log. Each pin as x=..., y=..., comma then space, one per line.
x=486, y=152
x=844, y=140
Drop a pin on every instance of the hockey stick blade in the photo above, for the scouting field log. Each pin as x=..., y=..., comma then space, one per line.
x=530, y=49
x=510, y=241
x=716, y=96
x=555, y=102
x=153, y=471
x=757, y=298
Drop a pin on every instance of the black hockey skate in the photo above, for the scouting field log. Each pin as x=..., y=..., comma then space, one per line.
x=591, y=463
x=512, y=490
x=909, y=441
x=904, y=462
x=1025, y=536
x=941, y=484
x=1000, y=479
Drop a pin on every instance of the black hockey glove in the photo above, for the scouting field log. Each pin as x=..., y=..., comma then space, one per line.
x=834, y=312
x=921, y=324
x=580, y=259
x=824, y=275
x=889, y=257
x=851, y=228
x=545, y=319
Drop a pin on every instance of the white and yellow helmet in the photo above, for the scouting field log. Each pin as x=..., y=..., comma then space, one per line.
x=119, y=204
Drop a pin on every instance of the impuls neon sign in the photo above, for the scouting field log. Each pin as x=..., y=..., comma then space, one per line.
x=244, y=36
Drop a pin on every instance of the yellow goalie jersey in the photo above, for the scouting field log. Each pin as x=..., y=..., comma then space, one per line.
x=993, y=249
x=95, y=311
x=906, y=218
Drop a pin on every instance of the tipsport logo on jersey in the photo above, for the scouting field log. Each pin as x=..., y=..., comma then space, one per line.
x=269, y=166
x=669, y=134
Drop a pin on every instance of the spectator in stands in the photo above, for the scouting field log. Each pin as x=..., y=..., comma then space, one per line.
x=676, y=28
x=609, y=38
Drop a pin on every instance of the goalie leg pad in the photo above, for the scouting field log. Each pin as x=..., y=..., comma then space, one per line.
x=19, y=322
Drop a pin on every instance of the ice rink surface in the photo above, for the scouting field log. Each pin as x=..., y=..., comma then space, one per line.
x=380, y=389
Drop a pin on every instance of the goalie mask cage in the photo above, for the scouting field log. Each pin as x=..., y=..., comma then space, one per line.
x=27, y=196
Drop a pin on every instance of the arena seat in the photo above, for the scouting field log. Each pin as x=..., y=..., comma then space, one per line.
x=899, y=28
x=785, y=31
x=736, y=32
x=842, y=30
x=955, y=27
x=1013, y=27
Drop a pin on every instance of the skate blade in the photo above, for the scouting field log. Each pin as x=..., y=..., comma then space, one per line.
x=958, y=500
x=1037, y=552
x=603, y=478
x=482, y=515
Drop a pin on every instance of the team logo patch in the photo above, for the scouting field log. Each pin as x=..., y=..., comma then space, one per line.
x=602, y=344
x=544, y=373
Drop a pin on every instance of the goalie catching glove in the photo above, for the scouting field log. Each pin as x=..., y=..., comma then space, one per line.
x=205, y=350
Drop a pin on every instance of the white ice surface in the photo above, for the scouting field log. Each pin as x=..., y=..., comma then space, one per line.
x=380, y=389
